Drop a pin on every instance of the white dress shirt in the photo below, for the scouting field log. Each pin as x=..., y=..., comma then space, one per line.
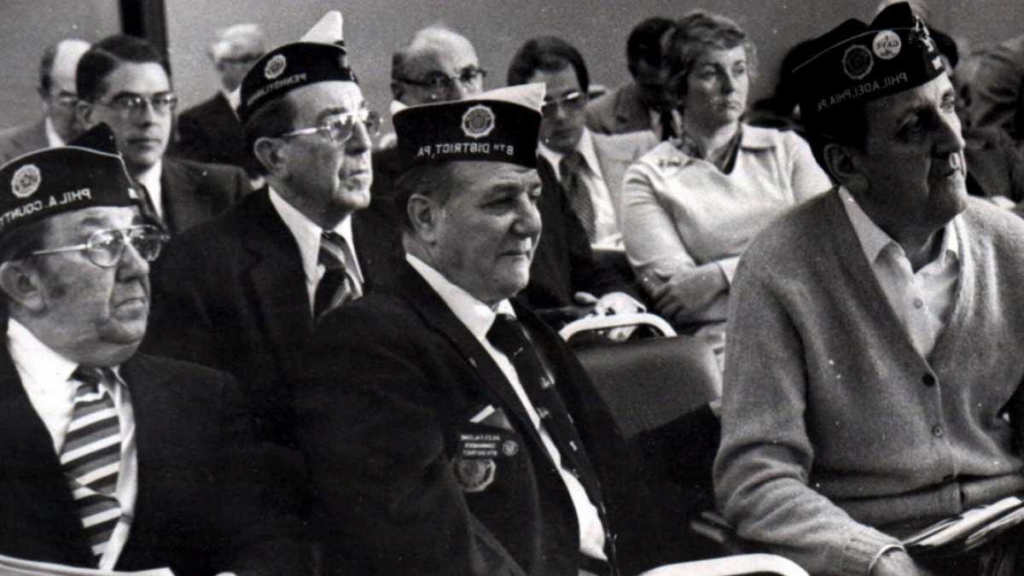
x=606, y=227
x=52, y=138
x=478, y=318
x=151, y=180
x=45, y=375
x=922, y=300
x=307, y=234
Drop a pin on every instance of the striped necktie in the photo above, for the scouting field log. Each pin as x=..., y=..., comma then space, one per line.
x=91, y=456
x=570, y=170
x=337, y=286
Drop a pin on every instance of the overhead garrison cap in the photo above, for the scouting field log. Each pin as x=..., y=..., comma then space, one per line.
x=319, y=56
x=86, y=173
x=856, y=62
x=495, y=126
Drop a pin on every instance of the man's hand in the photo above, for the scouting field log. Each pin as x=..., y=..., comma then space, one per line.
x=610, y=304
x=898, y=563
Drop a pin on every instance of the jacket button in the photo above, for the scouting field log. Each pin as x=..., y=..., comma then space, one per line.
x=928, y=380
x=937, y=431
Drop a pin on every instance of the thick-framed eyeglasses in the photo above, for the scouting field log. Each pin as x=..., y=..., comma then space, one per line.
x=573, y=101
x=105, y=248
x=437, y=81
x=241, y=60
x=133, y=104
x=339, y=128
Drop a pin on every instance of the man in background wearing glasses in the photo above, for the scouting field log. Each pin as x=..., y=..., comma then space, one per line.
x=112, y=459
x=212, y=131
x=244, y=292
x=582, y=174
x=123, y=83
x=57, y=91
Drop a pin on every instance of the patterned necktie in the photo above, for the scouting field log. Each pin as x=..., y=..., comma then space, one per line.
x=570, y=171
x=508, y=336
x=337, y=286
x=91, y=456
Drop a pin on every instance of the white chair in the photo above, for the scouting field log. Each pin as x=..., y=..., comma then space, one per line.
x=732, y=566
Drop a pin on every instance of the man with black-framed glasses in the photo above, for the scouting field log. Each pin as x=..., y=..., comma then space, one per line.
x=112, y=459
x=57, y=91
x=123, y=82
x=244, y=292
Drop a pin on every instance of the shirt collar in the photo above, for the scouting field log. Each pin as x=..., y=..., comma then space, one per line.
x=43, y=365
x=234, y=98
x=150, y=178
x=52, y=138
x=585, y=147
x=307, y=235
x=474, y=314
x=873, y=240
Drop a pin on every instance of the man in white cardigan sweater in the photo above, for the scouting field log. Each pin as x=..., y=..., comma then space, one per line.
x=873, y=365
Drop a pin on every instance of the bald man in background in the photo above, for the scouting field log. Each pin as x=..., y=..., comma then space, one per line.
x=211, y=131
x=57, y=91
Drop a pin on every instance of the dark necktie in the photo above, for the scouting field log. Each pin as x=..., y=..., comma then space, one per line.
x=91, y=456
x=570, y=171
x=508, y=336
x=668, y=125
x=148, y=207
x=337, y=286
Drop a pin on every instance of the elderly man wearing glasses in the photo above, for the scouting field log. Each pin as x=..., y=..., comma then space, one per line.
x=123, y=82
x=112, y=459
x=244, y=292
x=57, y=91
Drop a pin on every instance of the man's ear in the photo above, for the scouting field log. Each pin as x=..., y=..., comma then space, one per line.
x=269, y=152
x=22, y=285
x=84, y=111
x=423, y=214
x=842, y=163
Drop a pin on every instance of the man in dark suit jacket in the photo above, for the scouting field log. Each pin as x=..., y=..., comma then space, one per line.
x=240, y=292
x=148, y=462
x=432, y=448
x=211, y=131
x=57, y=91
x=122, y=82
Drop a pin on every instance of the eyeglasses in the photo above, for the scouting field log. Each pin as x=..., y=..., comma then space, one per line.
x=437, y=81
x=339, y=128
x=132, y=104
x=241, y=59
x=106, y=247
x=573, y=101
x=65, y=99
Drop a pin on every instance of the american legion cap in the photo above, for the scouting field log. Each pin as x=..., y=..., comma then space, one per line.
x=86, y=173
x=319, y=56
x=857, y=62
x=495, y=126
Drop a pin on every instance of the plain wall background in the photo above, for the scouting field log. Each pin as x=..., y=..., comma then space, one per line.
x=374, y=28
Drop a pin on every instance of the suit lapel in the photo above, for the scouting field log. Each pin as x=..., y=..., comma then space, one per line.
x=33, y=470
x=184, y=204
x=277, y=279
x=437, y=314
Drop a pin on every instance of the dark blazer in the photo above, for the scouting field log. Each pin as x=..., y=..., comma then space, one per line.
x=212, y=132
x=194, y=192
x=385, y=393
x=618, y=112
x=22, y=139
x=197, y=511
x=231, y=294
x=564, y=262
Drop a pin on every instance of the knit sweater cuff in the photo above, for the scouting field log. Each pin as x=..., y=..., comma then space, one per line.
x=861, y=550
